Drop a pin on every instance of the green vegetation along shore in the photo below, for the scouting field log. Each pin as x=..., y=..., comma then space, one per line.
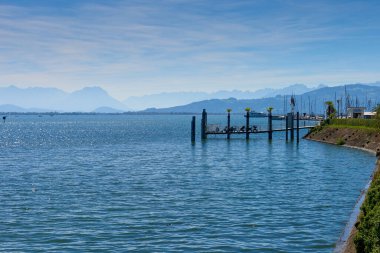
x=364, y=134
x=367, y=238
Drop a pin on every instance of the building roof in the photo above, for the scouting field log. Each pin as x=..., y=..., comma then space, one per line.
x=356, y=107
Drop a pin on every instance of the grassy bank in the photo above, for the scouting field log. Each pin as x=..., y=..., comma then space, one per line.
x=356, y=123
x=362, y=134
x=354, y=136
x=367, y=238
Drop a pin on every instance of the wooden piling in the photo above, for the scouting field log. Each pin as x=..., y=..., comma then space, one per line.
x=291, y=123
x=247, y=126
x=204, y=125
x=270, y=128
x=298, y=127
x=286, y=127
x=228, y=125
x=193, y=129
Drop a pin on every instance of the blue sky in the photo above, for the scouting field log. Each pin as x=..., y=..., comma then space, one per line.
x=144, y=47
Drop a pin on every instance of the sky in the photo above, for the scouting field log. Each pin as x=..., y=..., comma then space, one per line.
x=133, y=48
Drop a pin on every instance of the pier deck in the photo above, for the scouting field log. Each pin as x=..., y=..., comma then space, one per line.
x=258, y=131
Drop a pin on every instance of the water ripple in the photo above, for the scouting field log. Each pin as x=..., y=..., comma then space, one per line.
x=134, y=183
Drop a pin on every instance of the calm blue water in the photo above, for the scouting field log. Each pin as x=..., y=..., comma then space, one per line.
x=135, y=183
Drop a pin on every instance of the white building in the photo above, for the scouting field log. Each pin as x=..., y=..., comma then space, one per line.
x=369, y=115
x=355, y=112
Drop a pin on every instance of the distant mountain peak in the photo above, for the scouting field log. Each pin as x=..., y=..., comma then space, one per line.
x=93, y=90
x=106, y=109
x=86, y=99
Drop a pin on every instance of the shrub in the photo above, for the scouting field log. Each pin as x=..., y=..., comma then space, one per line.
x=340, y=141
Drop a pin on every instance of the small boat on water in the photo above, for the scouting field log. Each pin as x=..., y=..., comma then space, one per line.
x=258, y=114
x=254, y=114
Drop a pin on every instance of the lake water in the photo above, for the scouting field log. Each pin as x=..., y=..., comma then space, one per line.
x=122, y=183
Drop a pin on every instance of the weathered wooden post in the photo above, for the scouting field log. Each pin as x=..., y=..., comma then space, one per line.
x=193, y=129
x=298, y=127
x=291, y=125
x=286, y=127
x=204, y=125
x=228, y=123
x=247, y=123
x=270, y=130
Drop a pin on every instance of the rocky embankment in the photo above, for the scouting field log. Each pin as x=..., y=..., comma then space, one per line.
x=368, y=139
x=351, y=137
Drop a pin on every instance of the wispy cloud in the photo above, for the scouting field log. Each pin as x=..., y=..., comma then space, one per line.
x=143, y=46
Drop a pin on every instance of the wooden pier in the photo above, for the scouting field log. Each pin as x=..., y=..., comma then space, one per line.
x=257, y=131
x=247, y=130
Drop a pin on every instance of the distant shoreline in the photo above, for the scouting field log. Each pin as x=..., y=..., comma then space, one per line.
x=92, y=113
x=111, y=113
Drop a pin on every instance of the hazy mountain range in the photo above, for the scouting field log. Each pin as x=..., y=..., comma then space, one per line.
x=163, y=100
x=95, y=99
x=38, y=99
x=309, y=102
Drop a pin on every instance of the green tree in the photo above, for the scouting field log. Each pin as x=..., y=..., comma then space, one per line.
x=330, y=110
